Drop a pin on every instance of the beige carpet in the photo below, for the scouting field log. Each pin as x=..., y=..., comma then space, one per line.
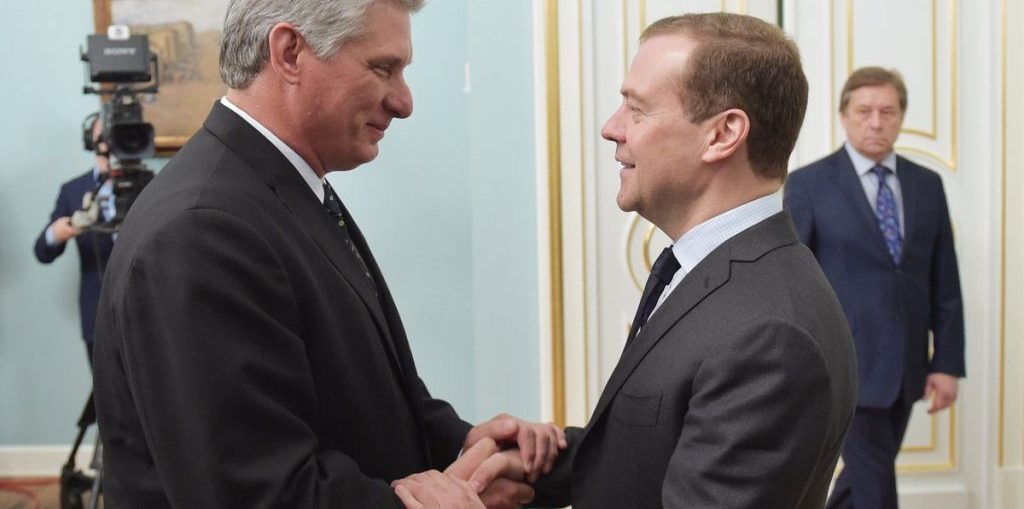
x=32, y=493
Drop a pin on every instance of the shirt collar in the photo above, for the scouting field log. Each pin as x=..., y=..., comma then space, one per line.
x=315, y=183
x=863, y=164
x=704, y=238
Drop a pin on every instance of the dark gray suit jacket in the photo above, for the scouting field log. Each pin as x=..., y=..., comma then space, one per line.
x=736, y=394
x=242, y=356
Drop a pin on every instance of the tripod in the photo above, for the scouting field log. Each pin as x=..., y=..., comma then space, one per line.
x=74, y=482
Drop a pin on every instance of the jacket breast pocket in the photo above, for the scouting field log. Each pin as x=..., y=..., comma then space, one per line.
x=636, y=409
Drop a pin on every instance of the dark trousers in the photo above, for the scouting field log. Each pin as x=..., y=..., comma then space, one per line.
x=868, y=478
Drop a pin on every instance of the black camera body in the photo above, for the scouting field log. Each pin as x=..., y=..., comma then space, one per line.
x=125, y=69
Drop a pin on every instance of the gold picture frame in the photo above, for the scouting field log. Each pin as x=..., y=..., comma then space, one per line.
x=185, y=37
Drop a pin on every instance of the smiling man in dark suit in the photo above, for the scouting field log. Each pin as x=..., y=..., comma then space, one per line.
x=737, y=381
x=249, y=353
x=879, y=226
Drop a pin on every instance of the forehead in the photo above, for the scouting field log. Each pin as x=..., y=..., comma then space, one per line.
x=657, y=66
x=875, y=95
x=386, y=30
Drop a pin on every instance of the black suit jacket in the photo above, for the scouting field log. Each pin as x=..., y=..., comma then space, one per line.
x=891, y=306
x=736, y=394
x=93, y=249
x=242, y=356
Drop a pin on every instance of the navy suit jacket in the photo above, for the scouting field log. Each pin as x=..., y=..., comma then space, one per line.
x=93, y=249
x=891, y=307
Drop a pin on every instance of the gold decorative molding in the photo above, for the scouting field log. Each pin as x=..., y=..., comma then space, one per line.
x=949, y=465
x=583, y=216
x=555, y=212
x=1001, y=437
x=933, y=439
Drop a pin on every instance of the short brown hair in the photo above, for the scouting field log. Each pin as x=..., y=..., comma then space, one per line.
x=746, y=63
x=873, y=77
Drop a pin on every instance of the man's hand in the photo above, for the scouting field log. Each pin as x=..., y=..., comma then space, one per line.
x=434, y=490
x=941, y=389
x=538, y=443
x=63, y=231
x=497, y=476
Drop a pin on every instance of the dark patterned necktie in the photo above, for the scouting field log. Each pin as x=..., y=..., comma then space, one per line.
x=333, y=205
x=888, y=216
x=661, y=273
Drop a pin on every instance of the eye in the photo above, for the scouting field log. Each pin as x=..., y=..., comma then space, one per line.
x=383, y=70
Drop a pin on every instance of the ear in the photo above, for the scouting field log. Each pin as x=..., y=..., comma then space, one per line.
x=728, y=132
x=285, y=43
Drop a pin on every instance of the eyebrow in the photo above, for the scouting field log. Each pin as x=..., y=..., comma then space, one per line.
x=630, y=94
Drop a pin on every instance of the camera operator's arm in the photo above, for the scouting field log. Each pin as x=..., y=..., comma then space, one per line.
x=54, y=237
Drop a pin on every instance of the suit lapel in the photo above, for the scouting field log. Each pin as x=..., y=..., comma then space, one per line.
x=281, y=176
x=705, y=278
x=708, y=276
x=908, y=191
x=850, y=182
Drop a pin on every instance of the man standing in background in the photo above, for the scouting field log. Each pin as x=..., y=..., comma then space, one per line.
x=879, y=226
x=93, y=247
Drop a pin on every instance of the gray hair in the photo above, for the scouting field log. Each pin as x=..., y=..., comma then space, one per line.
x=325, y=24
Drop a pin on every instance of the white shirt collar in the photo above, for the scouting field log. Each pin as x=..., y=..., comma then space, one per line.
x=316, y=184
x=702, y=239
x=863, y=163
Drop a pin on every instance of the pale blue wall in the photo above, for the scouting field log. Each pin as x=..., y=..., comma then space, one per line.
x=448, y=207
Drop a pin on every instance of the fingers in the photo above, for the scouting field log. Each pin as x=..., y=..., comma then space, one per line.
x=506, y=494
x=557, y=443
x=549, y=441
x=406, y=497
x=529, y=448
x=472, y=458
x=501, y=428
x=506, y=464
x=434, y=490
x=940, y=402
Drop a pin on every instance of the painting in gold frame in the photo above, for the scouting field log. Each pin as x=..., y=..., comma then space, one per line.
x=185, y=36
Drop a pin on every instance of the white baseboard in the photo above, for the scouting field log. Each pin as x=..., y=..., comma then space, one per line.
x=40, y=460
x=1010, y=488
x=951, y=497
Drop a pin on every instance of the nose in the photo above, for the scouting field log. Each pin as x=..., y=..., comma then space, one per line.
x=399, y=101
x=875, y=120
x=612, y=130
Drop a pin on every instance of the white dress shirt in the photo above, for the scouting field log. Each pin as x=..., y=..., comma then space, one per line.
x=869, y=180
x=700, y=241
x=316, y=184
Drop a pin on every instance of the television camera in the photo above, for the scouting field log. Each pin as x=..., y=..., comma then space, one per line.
x=125, y=69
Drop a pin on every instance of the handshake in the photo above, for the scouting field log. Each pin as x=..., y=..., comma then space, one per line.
x=499, y=461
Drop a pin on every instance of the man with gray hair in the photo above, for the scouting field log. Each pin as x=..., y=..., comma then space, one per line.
x=249, y=353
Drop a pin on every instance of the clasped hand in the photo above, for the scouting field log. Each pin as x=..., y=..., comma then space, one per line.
x=500, y=459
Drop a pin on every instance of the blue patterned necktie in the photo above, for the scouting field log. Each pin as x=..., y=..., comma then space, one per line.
x=888, y=217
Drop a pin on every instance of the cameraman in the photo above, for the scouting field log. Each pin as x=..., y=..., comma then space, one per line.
x=93, y=248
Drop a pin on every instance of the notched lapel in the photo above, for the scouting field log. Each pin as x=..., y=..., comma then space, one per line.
x=849, y=181
x=709, y=275
x=280, y=175
x=909, y=186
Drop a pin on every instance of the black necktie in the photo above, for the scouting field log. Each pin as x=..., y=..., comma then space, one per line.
x=661, y=273
x=333, y=205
